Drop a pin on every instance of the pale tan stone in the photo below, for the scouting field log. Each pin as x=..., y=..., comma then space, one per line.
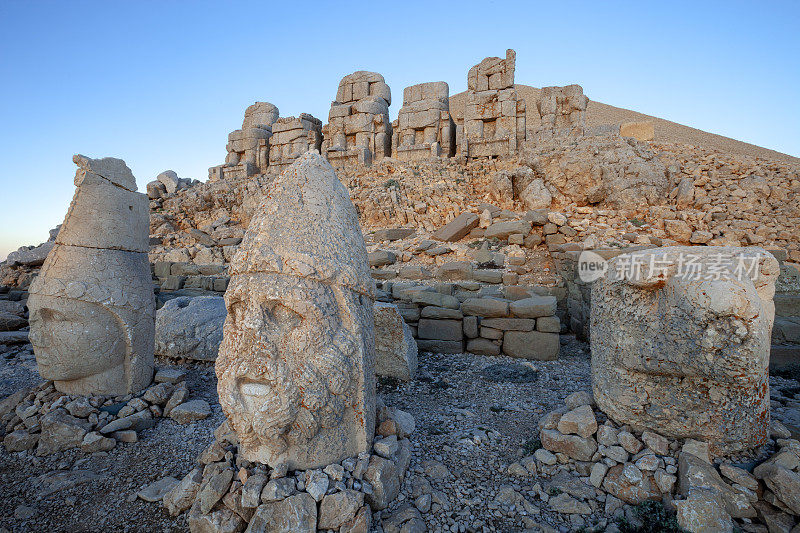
x=296, y=364
x=562, y=108
x=291, y=138
x=248, y=148
x=641, y=131
x=686, y=357
x=92, y=309
x=424, y=127
x=395, y=347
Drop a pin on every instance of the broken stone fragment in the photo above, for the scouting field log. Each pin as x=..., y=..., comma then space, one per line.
x=395, y=347
x=576, y=447
x=190, y=411
x=703, y=511
x=155, y=492
x=295, y=514
x=61, y=431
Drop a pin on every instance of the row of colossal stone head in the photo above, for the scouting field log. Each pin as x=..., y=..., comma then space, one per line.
x=359, y=131
x=682, y=355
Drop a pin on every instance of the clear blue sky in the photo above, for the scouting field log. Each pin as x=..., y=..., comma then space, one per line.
x=161, y=83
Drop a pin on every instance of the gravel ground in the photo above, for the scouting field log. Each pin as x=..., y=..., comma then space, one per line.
x=451, y=402
x=473, y=420
x=104, y=502
x=455, y=405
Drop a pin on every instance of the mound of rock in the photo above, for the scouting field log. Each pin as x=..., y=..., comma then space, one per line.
x=51, y=422
x=626, y=466
x=225, y=492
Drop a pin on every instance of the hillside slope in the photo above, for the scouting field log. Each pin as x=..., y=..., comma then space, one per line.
x=666, y=131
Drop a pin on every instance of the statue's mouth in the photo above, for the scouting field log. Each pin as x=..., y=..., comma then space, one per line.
x=254, y=389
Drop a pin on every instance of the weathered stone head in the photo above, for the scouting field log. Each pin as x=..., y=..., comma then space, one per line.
x=92, y=309
x=296, y=365
x=680, y=343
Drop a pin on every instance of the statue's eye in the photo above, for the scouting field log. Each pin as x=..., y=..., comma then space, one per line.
x=236, y=309
x=53, y=315
x=277, y=315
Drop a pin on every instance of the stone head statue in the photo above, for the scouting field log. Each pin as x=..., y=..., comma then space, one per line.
x=296, y=364
x=92, y=309
x=680, y=343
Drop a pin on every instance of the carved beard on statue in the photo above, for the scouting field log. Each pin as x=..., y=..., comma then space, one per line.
x=285, y=366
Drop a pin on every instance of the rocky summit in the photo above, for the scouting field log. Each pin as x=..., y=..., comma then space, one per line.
x=504, y=310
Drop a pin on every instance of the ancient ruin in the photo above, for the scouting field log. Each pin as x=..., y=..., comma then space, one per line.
x=424, y=128
x=92, y=309
x=296, y=364
x=487, y=318
x=562, y=109
x=359, y=130
x=680, y=343
x=494, y=115
x=249, y=147
x=291, y=138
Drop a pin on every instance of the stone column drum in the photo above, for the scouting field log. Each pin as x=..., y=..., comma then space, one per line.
x=680, y=345
x=92, y=308
x=296, y=366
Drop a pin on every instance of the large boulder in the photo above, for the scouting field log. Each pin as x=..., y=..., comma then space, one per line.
x=190, y=328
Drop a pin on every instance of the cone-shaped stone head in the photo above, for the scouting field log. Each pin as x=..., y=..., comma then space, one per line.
x=296, y=365
x=92, y=310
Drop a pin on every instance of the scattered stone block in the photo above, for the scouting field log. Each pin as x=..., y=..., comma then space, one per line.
x=641, y=131
x=395, y=347
x=190, y=411
x=458, y=228
x=531, y=345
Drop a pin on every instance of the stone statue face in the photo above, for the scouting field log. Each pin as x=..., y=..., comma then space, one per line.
x=680, y=352
x=74, y=339
x=285, y=366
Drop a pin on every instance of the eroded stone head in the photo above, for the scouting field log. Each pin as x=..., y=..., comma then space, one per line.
x=680, y=343
x=296, y=365
x=92, y=308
